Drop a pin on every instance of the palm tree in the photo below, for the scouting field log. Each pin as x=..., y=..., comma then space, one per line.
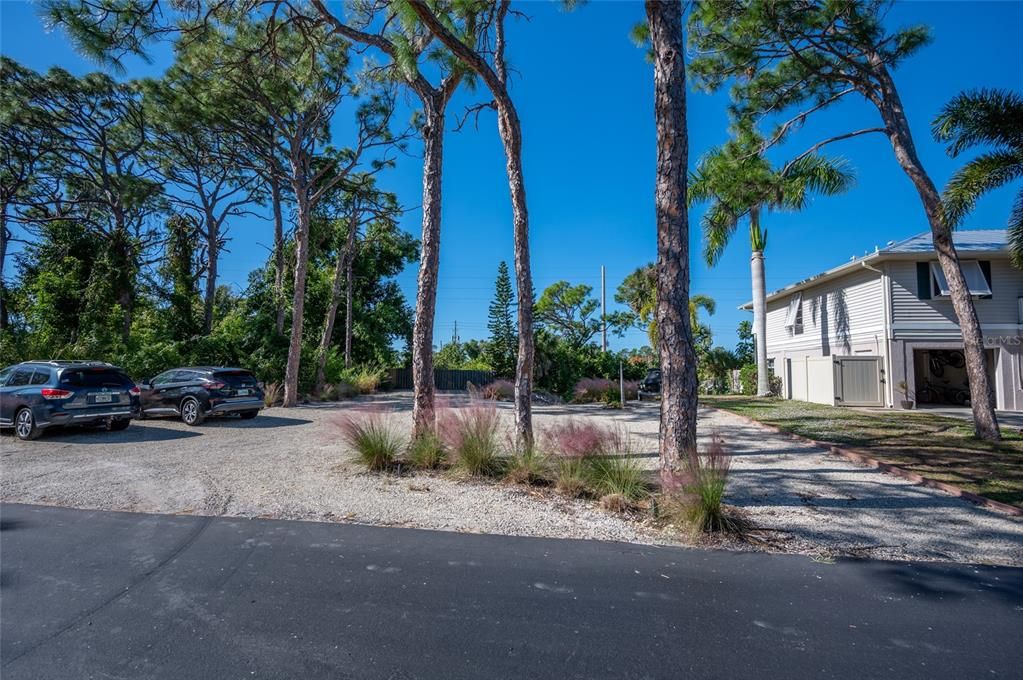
x=740, y=183
x=984, y=117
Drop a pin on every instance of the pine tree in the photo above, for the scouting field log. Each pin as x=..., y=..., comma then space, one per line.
x=501, y=322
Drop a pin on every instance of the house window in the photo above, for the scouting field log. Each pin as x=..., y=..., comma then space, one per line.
x=794, y=318
x=977, y=274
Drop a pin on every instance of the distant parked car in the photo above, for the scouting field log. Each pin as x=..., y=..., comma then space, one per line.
x=198, y=392
x=651, y=384
x=35, y=395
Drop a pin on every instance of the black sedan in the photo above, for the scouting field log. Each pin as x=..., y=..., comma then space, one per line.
x=35, y=395
x=198, y=392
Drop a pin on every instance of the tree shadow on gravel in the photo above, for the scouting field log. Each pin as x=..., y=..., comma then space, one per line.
x=136, y=433
x=256, y=423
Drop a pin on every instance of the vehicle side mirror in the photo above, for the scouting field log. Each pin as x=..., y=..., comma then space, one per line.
x=146, y=382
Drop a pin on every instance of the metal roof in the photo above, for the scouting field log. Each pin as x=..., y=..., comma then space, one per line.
x=974, y=241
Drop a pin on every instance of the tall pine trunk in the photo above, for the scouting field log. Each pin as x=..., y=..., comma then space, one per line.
x=349, y=309
x=275, y=197
x=291, y=371
x=511, y=135
x=759, y=279
x=212, y=255
x=429, y=261
x=675, y=337
x=985, y=423
x=3, y=264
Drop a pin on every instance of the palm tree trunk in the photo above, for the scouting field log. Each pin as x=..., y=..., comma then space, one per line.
x=429, y=261
x=298, y=301
x=275, y=197
x=675, y=338
x=982, y=400
x=758, y=276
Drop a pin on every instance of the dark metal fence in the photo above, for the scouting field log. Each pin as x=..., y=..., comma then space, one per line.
x=443, y=379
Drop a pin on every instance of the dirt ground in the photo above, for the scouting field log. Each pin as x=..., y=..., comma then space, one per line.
x=287, y=463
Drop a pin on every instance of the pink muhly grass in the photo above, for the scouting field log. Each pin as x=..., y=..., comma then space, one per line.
x=499, y=390
x=470, y=433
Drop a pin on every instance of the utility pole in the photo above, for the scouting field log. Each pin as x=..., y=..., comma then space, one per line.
x=603, y=311
x=454, y=334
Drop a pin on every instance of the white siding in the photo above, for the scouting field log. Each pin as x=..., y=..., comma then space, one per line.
x=911, y=315
x=837, y=315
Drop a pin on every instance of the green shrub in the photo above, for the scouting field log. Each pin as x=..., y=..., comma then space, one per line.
x=364, y=379
x=748, y=379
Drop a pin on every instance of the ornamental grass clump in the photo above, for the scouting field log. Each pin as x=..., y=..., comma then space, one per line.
x=696, y=498
x=370, y=435
x=596, y=460
x=470, y=434
x=426, y=452
x=272, y=393
x=527, y=464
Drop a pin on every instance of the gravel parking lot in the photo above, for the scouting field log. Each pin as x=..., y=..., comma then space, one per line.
x=287, y=464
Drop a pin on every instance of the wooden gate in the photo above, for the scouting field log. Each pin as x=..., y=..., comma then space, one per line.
x=858, y=381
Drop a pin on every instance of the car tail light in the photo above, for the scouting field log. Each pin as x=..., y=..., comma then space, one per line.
x=50, y=393
x=134, y=391
x=215, y=385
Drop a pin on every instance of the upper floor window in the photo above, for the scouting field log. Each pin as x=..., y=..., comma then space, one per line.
x=933, y=284
x=794, y=318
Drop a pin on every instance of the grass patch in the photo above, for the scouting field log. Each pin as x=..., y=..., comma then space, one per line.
x=937, y=447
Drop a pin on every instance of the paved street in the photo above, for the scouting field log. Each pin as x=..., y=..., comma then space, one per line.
x=102, y=594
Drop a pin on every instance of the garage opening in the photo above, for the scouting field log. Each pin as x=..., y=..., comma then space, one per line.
x=941, y=376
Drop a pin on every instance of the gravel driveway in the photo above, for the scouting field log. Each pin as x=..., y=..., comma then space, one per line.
x=287, y=464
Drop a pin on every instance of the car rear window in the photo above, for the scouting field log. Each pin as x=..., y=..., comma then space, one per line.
x=41, y=376
x=236, y=378
x=94, y=377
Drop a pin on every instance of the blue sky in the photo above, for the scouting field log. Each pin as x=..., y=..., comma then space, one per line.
x=584, y=94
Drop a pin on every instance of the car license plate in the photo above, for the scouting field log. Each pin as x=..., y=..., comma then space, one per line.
x=104, y=398
x=242, y=393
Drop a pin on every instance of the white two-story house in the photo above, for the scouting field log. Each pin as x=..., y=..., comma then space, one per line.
x=851, y=335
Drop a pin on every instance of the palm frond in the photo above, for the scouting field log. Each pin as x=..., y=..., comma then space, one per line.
x=1015, y=231
x=982, y=174
x=814, y=174
x=980, y=117
x=718, y=226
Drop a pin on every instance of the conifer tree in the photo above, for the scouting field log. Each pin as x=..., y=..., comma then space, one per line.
x=501, y=322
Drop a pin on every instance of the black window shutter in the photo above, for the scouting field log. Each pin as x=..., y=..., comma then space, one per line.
x=985, y=268
x=923, y=280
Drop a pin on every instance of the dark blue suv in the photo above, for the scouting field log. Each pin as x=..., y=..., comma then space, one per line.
x=35, y=395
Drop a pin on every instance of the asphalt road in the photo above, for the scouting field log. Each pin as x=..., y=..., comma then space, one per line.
x=119, y=595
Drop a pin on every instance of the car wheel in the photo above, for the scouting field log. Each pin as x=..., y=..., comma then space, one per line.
x=118, y=424
x=248, y=415
x=191, y=412
x=25, y=425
